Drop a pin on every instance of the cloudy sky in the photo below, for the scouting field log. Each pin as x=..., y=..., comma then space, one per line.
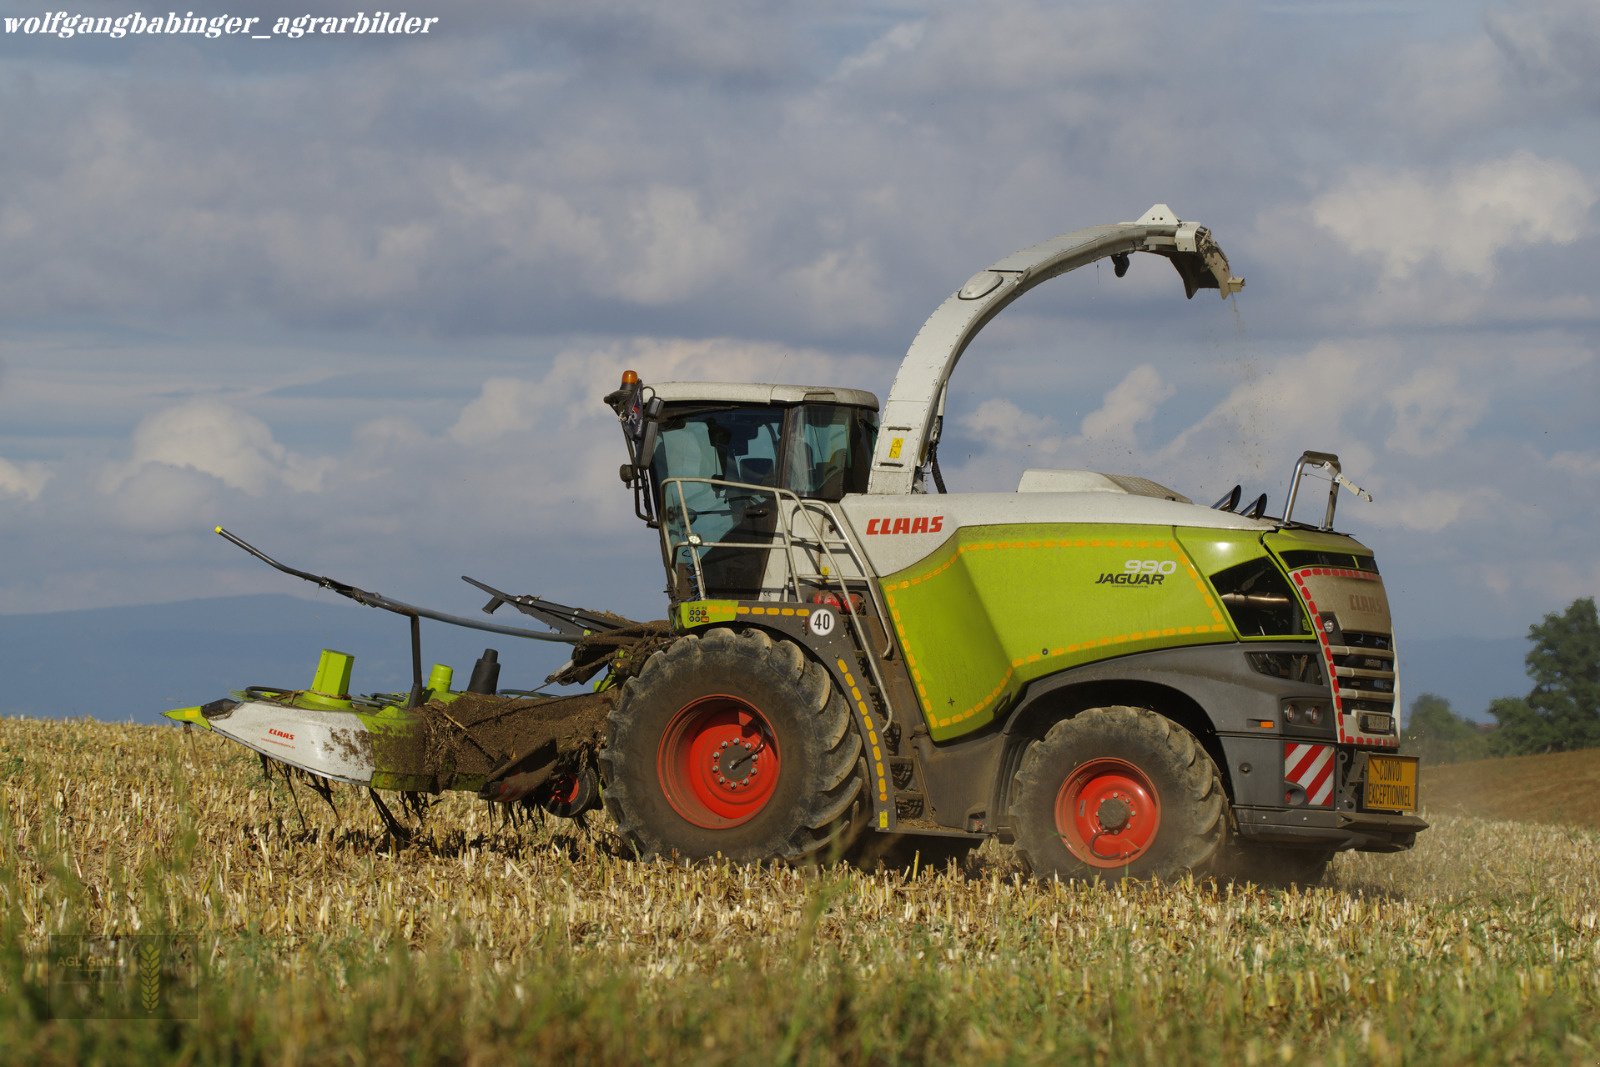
x=357, y=299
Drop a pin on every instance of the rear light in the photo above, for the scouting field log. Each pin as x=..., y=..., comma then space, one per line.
x=849, y=606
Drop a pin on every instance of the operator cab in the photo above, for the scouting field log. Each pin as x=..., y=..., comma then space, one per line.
x=711, y=463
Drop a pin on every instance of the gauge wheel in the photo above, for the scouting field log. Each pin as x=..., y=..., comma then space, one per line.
x=571, y=793
x=1118, y=792
x=731, y=744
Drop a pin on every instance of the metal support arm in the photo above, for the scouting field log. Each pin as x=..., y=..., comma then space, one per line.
x=909, y=415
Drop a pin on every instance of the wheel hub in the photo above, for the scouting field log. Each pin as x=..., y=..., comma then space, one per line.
x=718, y=762
x=735, y=763
x=1114, y=814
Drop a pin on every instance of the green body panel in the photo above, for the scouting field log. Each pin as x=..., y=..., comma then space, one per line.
x=440, y=677
x=692, y=613
x=1281, y=541
x=1217, y=550
x=188, y=716
x=333, y=674
x=996, y=607
x=1214, y=551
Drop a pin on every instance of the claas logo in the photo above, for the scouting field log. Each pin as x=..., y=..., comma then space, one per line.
x=922, y=524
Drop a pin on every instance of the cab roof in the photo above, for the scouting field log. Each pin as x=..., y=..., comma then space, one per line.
x=745, y=393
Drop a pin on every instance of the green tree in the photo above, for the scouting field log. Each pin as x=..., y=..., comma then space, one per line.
x=1439, y=735
x=1520, y=729
x=1563, y=710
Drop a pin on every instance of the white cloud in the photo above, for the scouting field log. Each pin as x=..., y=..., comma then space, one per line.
x=229, y=444
x=1434, y=411
x=1003, y=427
x=669, y=247
x=1005, y=430
x=1458, y=218
x=1321, y=399
x=1433, y=510
x=897, y=40
x=1128, y=406
x=840, y=287
x=723, y=196
x=26, y=480
x=1551, y=45
x=503, y=406
x=1580, y=464
x=161, y=499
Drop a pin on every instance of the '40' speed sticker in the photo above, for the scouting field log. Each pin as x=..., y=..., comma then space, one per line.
x=820, y=622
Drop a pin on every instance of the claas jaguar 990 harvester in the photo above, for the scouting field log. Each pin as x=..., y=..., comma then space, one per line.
x=1108, y=676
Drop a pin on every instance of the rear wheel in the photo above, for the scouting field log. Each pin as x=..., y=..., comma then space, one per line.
x=731, y=744
x=1118, y=793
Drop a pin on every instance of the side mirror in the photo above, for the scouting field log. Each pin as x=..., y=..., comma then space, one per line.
x=652, y=426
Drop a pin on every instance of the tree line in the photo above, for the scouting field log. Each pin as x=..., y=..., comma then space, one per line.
x=1560, y=712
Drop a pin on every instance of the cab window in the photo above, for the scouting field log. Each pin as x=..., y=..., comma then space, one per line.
x=832, y=451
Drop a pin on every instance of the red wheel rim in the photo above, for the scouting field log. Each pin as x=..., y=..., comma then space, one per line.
x=564, y=788
x=1107, y=813
x=718, y=762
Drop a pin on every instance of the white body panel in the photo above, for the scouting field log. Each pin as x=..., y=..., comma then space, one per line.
x=1039, y=480
x=333, y=744
x=743, y=393
x=888, y=551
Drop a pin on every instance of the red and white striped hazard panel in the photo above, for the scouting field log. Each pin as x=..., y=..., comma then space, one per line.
x=1311, y=768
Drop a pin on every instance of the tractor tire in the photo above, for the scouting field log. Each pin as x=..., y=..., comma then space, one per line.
x=1118, y=793
x=1277, y=866
x=731, y=744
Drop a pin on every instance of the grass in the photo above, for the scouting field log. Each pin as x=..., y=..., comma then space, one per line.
x=487, y=941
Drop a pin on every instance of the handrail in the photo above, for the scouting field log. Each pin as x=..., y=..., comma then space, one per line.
x=790, y=504
x=1323, y=461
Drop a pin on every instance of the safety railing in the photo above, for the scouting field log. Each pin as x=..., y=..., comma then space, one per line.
x=1328, y=463
x=789, y=506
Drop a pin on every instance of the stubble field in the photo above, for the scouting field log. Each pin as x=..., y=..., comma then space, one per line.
x=485, y=941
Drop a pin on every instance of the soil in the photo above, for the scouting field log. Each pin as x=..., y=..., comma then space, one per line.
x=508, y=747
x=622, y=650
x=478, y=736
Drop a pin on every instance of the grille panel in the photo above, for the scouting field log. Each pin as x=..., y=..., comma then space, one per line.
x=1363, y=668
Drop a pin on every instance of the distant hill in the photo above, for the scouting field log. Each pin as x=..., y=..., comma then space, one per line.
x=1559, y=787
x=133, y=663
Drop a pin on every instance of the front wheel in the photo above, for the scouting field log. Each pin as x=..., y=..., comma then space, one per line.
x=731, y=744
x=1118, y=792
